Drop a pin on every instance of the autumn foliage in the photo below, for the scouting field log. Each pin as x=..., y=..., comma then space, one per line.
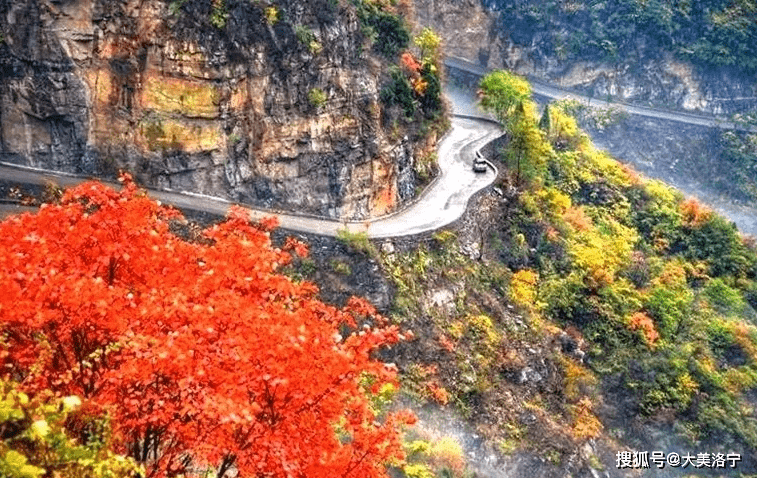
x=694, y=213
x=643, y=323
x=201, y=353
x=410, y=64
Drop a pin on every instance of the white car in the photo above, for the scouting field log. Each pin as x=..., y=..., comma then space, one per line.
x=479, y=164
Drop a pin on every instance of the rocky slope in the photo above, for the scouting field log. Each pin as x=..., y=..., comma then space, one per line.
x=527, y=315
x=553, y=41
x=270, y=103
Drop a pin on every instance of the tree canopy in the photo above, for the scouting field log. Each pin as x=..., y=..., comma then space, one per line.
x=200, y=352
x=501, y=92
x=509, y=98
x=711, y=33
x=36, y=442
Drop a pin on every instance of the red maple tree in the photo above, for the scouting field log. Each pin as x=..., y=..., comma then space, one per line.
x=203, y=355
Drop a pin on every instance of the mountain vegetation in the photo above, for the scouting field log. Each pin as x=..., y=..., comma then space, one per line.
x=736, y=165
x=195, y=352
x=38, y=439
x=710, y=33
x=662, y=287
x=595, y=304
x=603, y=303
x=587, y=308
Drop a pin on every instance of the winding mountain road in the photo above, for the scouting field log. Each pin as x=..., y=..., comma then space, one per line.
x=443, y=202
x=550, y=91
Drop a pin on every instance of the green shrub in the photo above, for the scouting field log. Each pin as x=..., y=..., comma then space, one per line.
x=750, y=294
x=669, y=308
x=389, y=30
x=272, y=15
x=219, y=15
x=341, y=267
x=358, y=242
x=568, y=299
x=720, y=337
x=655, y=213
x=431, y=101
x=174, y=8
x=725, y=416
x=717, y=241
x=399, y=92
x=545, y=122
x=317, y=97
x=724, y=299
x=306, y=36
x=736, y=163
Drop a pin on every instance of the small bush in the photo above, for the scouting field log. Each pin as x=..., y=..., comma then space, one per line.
x=585, y=422
x=432, y=97
x=399, y=92
x=341, y=267
x=308, y=267
x=315, y=47
x=358, y=242
x=717, y=241
x=389, y=32
x=726, y=300
x=219, y=15
x=523, y=288
x=306, y=36
x=447, y=455
x=428, y=41
x=669, y=308
x=317, y=97
x=174, y=8
x=417, y=470
x=272, y=15
x=426, y=165
x=645, y=325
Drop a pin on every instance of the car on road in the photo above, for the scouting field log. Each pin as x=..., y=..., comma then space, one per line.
x=479, y=163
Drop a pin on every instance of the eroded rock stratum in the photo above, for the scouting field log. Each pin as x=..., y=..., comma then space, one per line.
x=204, y=96
x=550, y=40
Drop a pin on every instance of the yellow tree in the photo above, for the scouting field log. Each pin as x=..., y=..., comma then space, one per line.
x=501, y=93
x=508, y=97
x=428, y=41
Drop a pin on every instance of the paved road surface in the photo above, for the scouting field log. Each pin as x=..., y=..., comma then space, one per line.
x=443, y=202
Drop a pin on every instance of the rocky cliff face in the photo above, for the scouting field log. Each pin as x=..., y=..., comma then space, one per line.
x=498, y=35
x=208, y=96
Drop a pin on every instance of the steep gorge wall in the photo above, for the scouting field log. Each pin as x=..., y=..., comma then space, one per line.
x=496, y=35
x=152, y=86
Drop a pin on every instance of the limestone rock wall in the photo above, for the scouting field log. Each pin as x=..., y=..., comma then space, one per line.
x=153, y=87
x=475, y=30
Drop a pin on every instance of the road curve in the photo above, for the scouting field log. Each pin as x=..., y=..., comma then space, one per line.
x=443, y=202
x=550, y=91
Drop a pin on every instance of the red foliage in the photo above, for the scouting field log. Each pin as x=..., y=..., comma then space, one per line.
x=446, y=343
x=438, y=393
x=202, y=354
x=643, y=323
x=410, y=64
x=694, y=213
